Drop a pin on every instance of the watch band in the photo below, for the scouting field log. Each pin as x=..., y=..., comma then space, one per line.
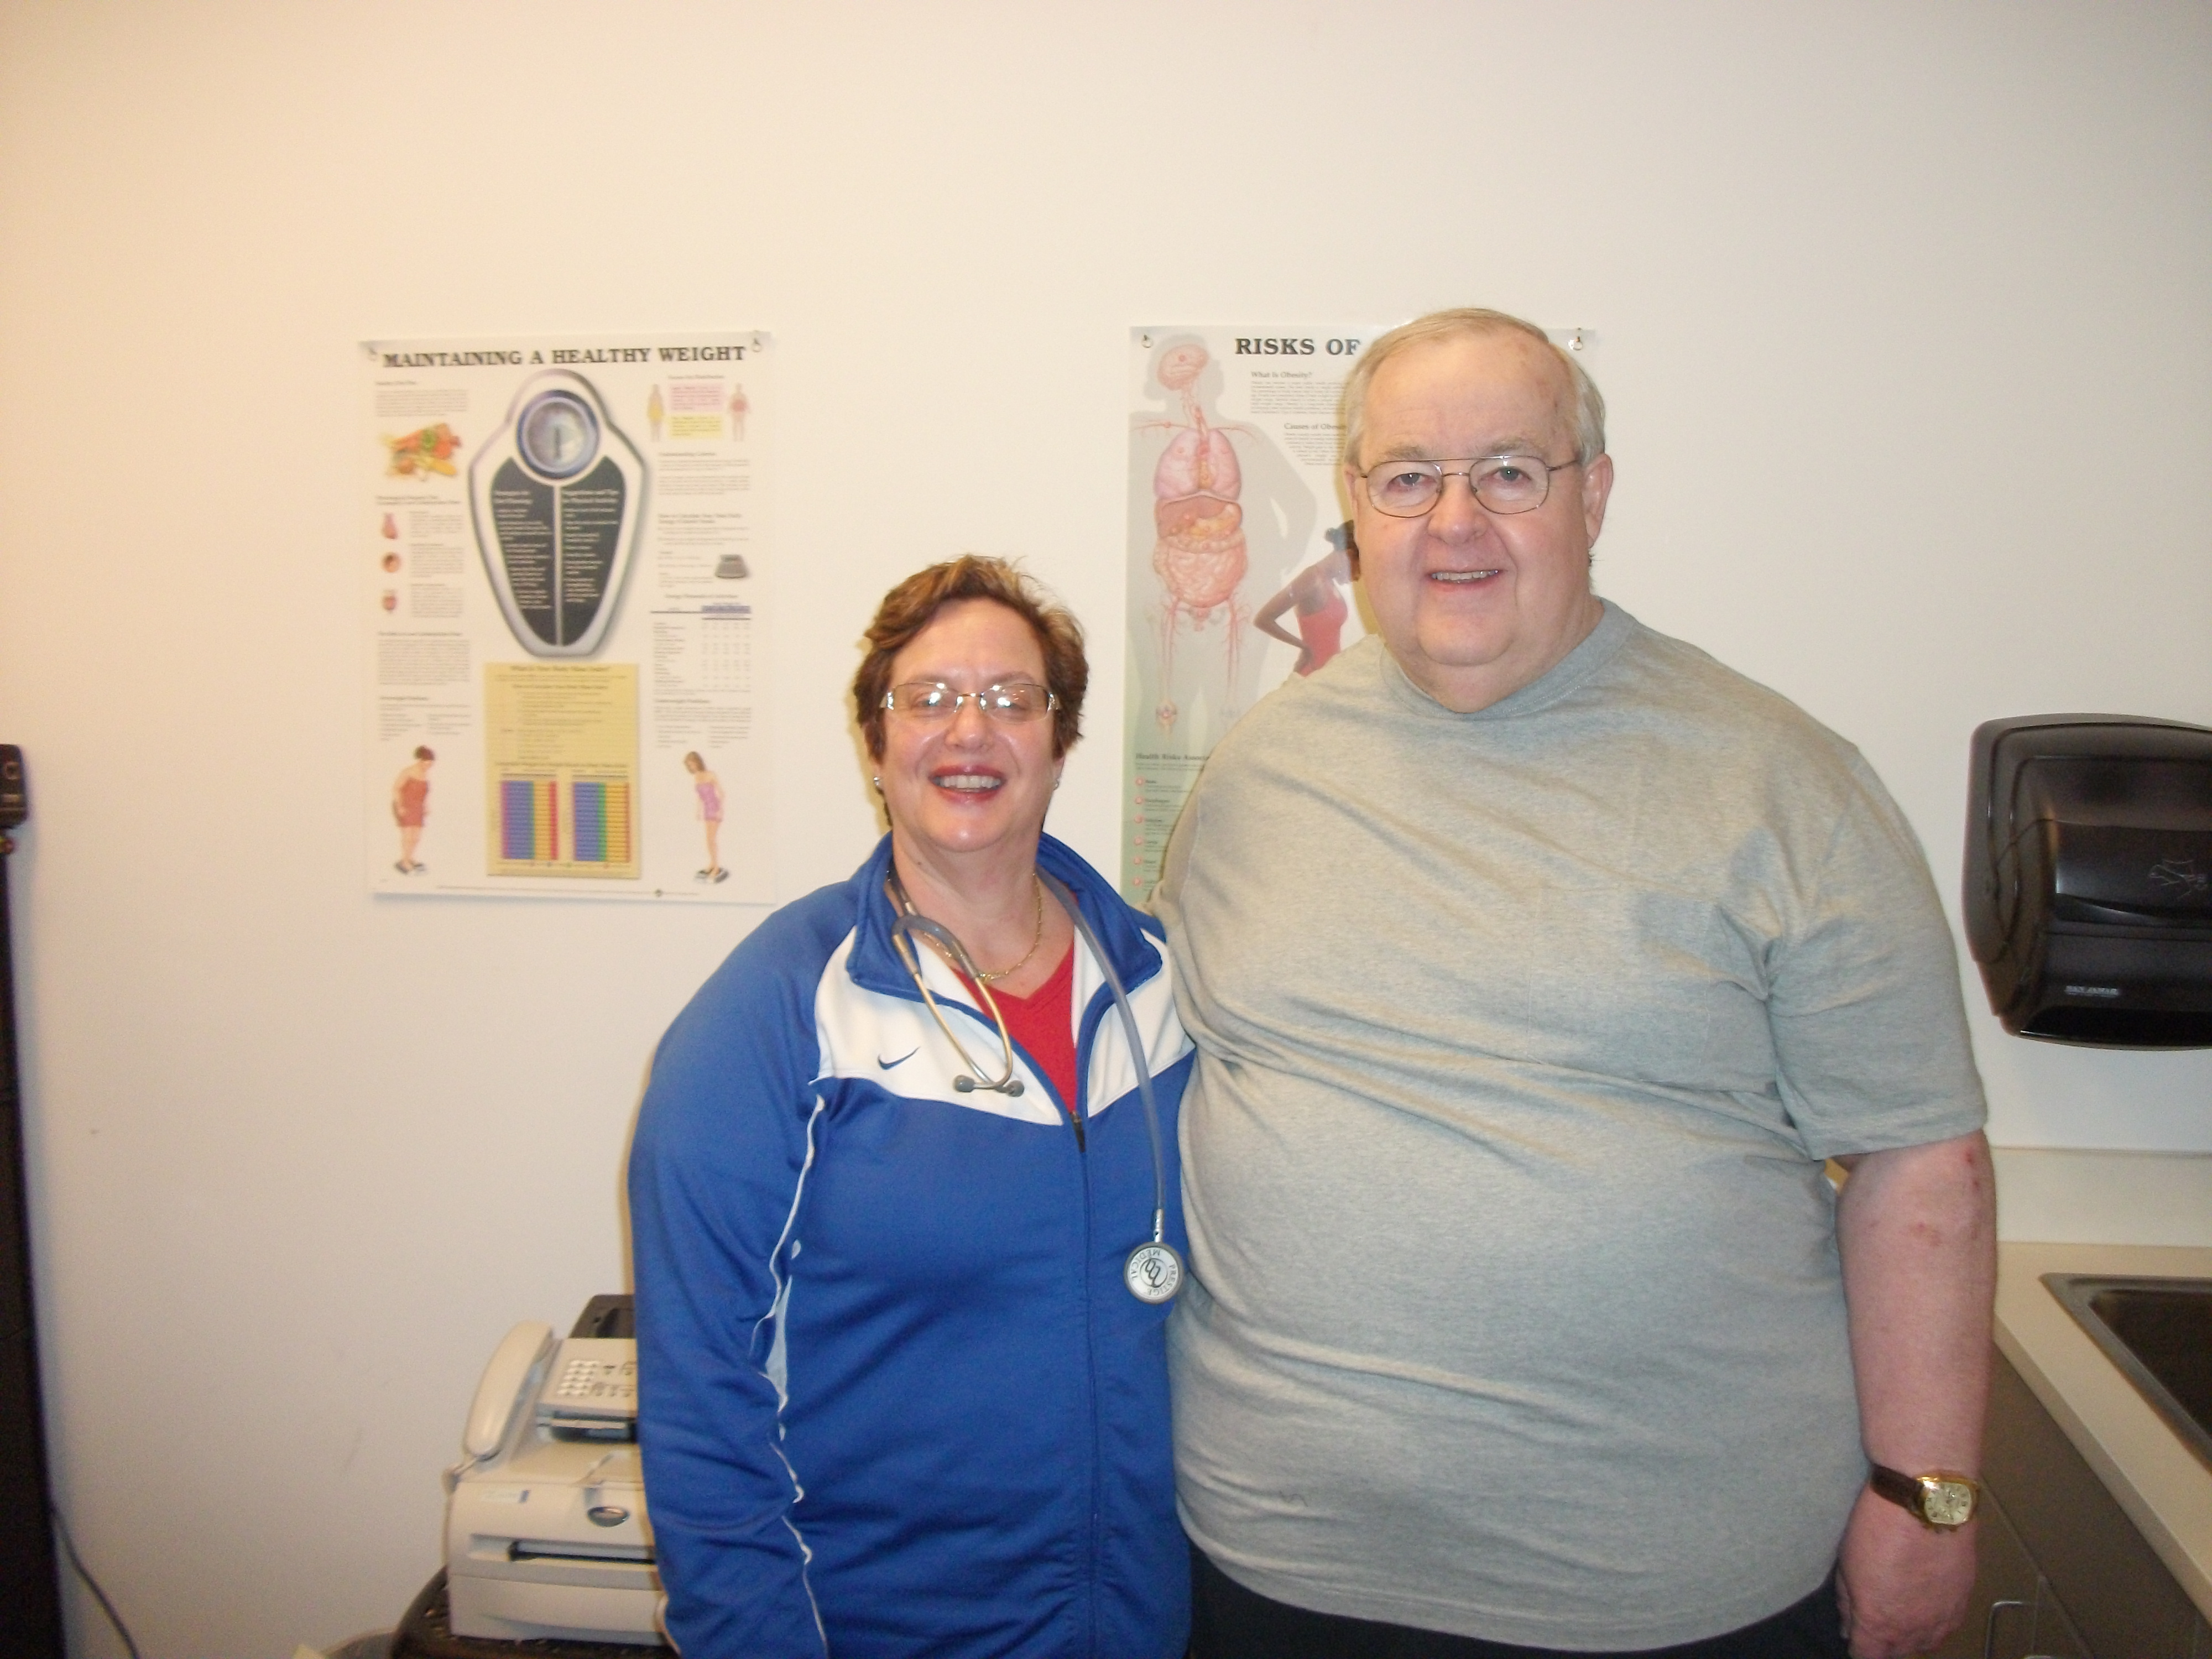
x=1910, y=1494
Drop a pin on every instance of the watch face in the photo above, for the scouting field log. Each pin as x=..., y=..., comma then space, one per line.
x=1946, y=1503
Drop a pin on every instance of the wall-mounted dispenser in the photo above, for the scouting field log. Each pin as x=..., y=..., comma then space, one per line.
x=2089, y=888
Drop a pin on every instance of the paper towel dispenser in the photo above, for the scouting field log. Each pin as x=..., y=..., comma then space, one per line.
x=2088, y=885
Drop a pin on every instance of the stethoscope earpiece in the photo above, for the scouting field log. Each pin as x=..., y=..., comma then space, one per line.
x=964, y=1085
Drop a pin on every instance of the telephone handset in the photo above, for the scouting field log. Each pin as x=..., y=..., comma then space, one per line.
x=577, y=1388
x=517, y=1368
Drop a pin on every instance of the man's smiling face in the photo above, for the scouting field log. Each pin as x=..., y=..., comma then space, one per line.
x=1474, y=605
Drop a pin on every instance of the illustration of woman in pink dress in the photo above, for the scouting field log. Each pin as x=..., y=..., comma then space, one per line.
x=410, y=805
x=710, y=814
x=1316, y=593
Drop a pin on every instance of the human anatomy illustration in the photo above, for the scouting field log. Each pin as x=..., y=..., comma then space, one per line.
x=1204, y=535
x=1200, y=555
x=1233, y=584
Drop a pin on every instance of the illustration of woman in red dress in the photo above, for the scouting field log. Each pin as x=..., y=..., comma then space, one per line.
x=410, y=805
x=1316, y=593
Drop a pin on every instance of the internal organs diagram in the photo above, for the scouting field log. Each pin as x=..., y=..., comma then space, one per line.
x=1200, y=555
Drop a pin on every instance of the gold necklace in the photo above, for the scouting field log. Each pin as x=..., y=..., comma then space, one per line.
x=1038, y=939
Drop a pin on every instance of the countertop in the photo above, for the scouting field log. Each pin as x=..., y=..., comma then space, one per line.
x=2165, y=1488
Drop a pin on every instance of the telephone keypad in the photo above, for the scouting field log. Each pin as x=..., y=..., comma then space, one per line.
x=592, y=1384
x=599, y=1380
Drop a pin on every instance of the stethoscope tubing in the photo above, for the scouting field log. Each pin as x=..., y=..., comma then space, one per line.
x=906, y=920
x=910, y=921
x=1138, y=1056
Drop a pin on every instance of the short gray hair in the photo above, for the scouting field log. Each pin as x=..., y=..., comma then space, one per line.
x=1587, y=416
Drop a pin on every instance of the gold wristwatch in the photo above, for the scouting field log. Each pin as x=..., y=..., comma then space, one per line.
x=1939, y=1499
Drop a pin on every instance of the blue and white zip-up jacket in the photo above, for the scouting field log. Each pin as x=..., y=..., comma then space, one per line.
x=894, y=1399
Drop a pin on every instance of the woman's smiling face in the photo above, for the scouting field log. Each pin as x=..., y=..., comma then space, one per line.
x=972, y=783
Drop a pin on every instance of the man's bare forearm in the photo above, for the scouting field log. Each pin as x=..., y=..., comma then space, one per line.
x=1917, y=1228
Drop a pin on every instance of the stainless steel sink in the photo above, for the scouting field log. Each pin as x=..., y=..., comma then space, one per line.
x=2158, y=1333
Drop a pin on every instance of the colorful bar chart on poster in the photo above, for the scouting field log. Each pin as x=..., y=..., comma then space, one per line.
x=561, y=762
x=602, y=819
x=529, y=820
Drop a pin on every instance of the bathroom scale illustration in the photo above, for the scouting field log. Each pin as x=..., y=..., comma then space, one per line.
x=558, y=494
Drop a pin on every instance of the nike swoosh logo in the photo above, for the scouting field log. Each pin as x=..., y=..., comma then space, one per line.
x=900, y=1061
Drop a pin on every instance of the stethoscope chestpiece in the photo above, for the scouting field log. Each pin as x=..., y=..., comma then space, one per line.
x=1153, y=1272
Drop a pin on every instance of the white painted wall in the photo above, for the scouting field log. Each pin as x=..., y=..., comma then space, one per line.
x=1905, y=311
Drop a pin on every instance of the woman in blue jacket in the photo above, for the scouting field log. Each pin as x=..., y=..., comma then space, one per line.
x=903, y=1376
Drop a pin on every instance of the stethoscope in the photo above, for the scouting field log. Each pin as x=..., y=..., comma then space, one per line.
x=1153, y=1271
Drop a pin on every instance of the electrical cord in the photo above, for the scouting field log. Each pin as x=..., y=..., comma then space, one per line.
x=76, y=1561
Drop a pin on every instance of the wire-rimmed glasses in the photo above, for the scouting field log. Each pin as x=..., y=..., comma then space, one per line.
x=1504, y=484
x=1013, y=701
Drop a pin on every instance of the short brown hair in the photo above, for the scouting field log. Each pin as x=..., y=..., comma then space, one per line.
x=914, y=604
x=1583, y=410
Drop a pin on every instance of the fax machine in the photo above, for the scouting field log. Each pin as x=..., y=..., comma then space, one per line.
x=546, y=1534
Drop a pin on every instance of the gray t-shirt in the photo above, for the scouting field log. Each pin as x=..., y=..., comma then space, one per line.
x=1522, y=1037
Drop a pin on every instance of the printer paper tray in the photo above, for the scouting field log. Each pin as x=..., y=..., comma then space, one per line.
x=517, y=1610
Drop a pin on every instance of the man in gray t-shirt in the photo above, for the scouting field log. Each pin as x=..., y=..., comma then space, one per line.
x=1536, y=964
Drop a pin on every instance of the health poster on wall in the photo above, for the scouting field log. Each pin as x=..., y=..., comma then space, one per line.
x=564, y=542
x=1239, y=564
